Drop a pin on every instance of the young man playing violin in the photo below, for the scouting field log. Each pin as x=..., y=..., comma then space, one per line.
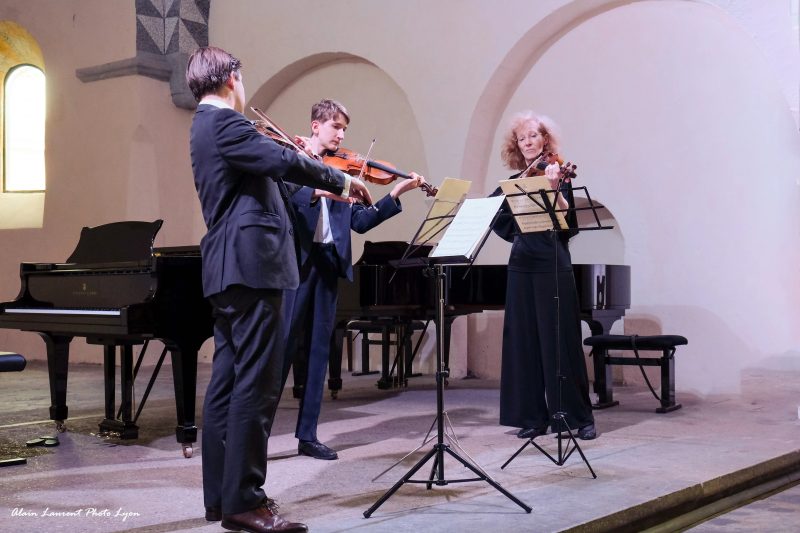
x=249, y=259
x=323, y=232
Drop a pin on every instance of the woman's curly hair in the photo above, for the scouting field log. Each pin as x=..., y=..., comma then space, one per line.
x=509, y=151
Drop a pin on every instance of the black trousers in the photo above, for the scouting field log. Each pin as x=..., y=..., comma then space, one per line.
x=242, y=396
x=309, y=312
x=529, y=393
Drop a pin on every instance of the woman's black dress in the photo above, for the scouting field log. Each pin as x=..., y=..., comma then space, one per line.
x=529, y=393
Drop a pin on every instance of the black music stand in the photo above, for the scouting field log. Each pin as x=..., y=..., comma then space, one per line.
x=432, y=226
x=543, y=202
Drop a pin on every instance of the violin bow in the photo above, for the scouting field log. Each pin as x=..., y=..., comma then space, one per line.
x=366, y=161
x=285, y=136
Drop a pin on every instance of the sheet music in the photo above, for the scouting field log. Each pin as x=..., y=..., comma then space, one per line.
x=451, y=191
x=537, y=219
x=468, y=228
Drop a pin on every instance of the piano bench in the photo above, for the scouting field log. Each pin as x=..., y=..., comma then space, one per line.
x=386, y=327
x=666, y=344
x=11, y=362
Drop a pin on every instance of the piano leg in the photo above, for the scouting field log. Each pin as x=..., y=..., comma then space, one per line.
x=125, y=427
x=603, y=381
x=184, y=378
x=110, y=379
x=386, y=381
x=57, y=369
x=603, y=376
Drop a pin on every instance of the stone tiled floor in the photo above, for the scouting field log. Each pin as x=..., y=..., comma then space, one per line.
x=642, y=459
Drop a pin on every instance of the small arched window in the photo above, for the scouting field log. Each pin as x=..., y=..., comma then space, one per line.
x=23, y=129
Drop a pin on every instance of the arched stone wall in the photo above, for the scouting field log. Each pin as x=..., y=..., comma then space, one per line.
x=379, y=109
x=662, y=104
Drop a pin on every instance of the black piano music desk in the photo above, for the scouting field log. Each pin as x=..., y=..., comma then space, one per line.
x=603, y=295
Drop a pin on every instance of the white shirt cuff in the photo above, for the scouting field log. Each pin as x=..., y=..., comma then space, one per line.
x=346, y=190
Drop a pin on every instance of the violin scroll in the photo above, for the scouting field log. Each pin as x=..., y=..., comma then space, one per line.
x=545, y=159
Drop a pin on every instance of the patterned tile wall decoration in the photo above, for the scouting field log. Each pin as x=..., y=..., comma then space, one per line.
x=171, y=26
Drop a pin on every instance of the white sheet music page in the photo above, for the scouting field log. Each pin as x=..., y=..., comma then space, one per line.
x=470, y=225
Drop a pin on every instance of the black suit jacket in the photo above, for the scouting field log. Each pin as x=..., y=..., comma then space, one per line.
x=237, y=171
x=342, y=217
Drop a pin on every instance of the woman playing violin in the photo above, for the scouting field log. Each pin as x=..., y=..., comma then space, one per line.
x=529, y=393
x=323, y=231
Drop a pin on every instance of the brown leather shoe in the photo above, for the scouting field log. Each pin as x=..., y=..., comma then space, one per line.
x=261, y=520
x=214, y=514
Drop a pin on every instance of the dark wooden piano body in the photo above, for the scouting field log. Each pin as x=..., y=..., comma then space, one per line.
x=116, y=290
x=603, y=291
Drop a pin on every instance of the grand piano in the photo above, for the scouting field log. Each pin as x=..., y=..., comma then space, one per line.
x=603, y=292
x=116, y=290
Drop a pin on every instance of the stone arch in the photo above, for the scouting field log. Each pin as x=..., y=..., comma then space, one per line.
x=379, y=108
x=709, y=97
x=511, y=72
x=279, y=81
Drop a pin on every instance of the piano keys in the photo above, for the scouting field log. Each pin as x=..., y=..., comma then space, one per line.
x=116, y=290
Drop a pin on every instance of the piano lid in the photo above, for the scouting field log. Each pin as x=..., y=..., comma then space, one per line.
x=117, y=242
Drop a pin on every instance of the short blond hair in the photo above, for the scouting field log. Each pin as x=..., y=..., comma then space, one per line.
x=509, y=151
x=325, y=110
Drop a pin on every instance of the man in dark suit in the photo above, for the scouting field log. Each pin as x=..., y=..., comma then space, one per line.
x=249, y=259
x=323, y=229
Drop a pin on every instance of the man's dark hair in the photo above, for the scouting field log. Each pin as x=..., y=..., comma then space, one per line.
x=208, y=69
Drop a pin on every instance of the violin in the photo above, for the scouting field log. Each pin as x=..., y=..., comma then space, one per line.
x=380, y=172
x=545, y=159
x=344, y=160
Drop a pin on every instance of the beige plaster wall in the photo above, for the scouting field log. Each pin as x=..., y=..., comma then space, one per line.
x=670, y=109
x=116, y=149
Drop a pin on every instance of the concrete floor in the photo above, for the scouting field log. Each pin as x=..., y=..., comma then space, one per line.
x=647, y=464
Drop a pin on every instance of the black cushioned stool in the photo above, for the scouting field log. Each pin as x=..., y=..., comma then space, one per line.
x=666, y=344
x=12, y=362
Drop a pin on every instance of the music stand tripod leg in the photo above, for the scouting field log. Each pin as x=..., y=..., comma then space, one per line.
x=437, y=475
x=489, y=480
x=563, y=457
x=563, y=451
x=425, y=441
x=401, y=482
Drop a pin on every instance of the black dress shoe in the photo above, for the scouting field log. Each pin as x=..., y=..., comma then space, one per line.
x=317, y=450
x=531, y=433
x=587, y=432
x=261, y=520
